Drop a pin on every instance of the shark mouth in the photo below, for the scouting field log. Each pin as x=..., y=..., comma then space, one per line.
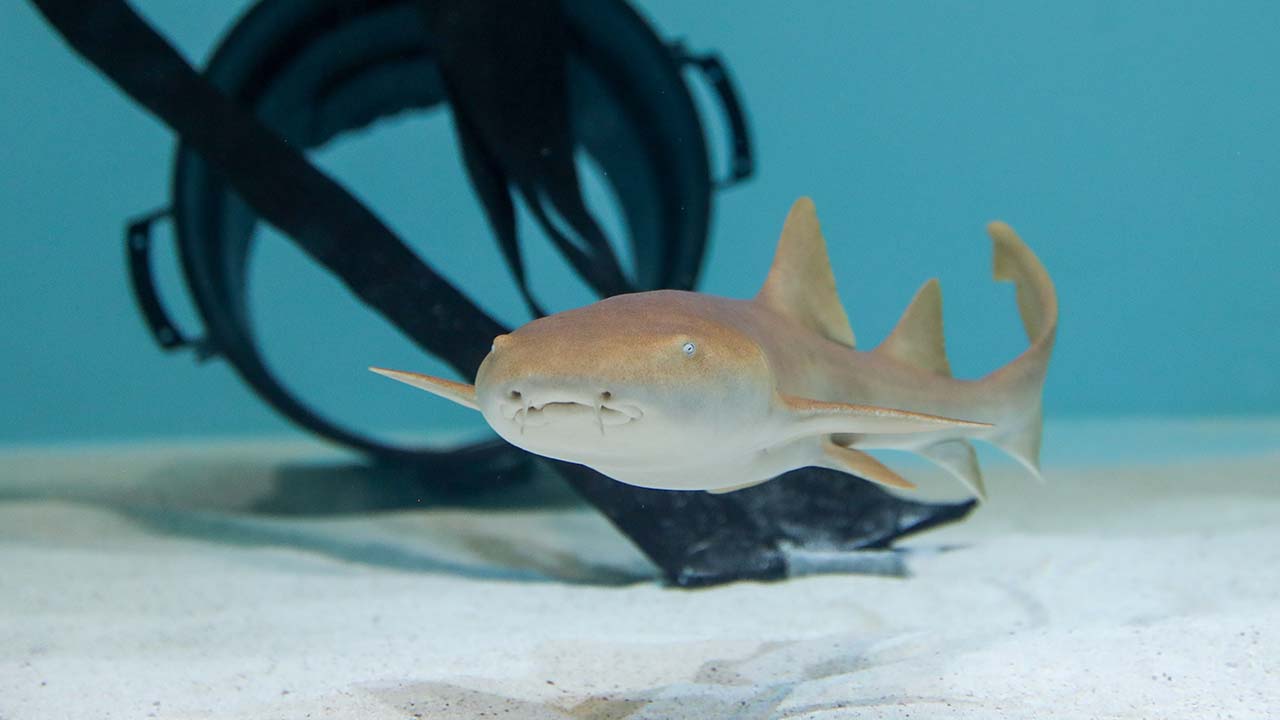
x=543, y=414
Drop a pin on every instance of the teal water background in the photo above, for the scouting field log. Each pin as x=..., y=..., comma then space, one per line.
x=1132, y=144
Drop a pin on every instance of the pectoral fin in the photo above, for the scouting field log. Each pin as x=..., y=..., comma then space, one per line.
x=817, y=417
x=461, y=393
x=863, y=465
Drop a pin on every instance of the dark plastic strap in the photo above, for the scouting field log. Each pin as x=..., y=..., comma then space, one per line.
x=742, y=163
x=321, y=216
x=137, y=246
x=505, y=69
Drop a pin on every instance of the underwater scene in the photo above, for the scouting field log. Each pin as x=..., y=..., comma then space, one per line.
x=591, y=359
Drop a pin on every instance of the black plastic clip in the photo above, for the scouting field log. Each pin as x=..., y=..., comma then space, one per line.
x=137, y=243
x=742, y=165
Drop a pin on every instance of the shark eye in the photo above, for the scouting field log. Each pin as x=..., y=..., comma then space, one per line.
x=689, y=349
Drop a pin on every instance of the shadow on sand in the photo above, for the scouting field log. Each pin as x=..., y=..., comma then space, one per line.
x=535, y=530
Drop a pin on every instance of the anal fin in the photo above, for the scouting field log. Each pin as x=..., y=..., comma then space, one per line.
x=958, y=458
x=1023, y=443
x=863, y=465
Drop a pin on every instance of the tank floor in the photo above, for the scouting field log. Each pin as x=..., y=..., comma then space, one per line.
x=271, y=579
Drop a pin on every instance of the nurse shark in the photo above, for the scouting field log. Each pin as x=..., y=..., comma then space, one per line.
x=686, y=391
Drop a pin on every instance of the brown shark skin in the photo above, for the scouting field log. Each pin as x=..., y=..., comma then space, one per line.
x=804, y=365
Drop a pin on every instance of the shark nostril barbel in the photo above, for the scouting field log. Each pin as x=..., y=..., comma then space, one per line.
x=605, y=397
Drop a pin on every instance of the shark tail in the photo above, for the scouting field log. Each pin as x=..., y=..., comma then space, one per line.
x=1020, y=384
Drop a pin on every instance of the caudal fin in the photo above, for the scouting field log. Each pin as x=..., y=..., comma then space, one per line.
x=1021, y=382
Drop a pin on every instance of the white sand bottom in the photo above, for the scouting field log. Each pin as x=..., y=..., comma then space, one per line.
x=176, y=582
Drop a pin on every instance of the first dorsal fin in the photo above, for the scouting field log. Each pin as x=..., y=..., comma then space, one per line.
x=917, y=340
x=801, y=285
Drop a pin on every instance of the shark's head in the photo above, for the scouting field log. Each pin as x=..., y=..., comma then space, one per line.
x=633, y=379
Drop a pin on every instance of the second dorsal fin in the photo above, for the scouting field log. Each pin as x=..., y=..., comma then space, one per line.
x=801, y=285
x=917, y=340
